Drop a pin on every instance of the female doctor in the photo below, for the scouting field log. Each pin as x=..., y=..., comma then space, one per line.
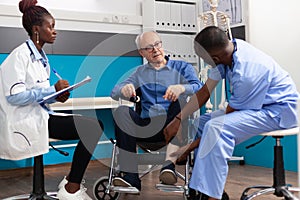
x=25, y=125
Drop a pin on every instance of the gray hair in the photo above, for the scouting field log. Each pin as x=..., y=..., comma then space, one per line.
x=140, y=36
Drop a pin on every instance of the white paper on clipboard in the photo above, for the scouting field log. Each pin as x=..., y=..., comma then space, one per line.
x=70, y=88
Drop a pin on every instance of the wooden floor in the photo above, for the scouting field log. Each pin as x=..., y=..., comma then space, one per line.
x=16, y=182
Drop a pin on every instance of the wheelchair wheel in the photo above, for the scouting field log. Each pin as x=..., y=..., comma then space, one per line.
x=100, y=187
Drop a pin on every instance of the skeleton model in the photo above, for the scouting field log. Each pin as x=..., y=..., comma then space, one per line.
x=221, y=20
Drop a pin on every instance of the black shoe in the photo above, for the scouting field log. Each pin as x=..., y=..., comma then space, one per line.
x=225, y=196
x=167, y=174
x=192, y=195
x=196, y=195
x=128, y=180
x=202, y=196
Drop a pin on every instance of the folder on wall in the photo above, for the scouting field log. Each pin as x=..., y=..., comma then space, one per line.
x=179, y=46
x=167, y=44
x=162, y=15
x=188, y=17
x=175, y=16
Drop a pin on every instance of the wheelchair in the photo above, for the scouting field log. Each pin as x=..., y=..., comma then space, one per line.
x=104, y=189
x=151, y=155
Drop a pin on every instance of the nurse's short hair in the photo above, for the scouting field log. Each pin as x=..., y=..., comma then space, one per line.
x=211, y=38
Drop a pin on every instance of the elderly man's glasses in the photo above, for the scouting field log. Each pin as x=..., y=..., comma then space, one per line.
x=151, y=47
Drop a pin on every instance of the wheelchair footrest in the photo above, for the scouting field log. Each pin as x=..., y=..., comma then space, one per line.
x=131, y=190
x=169, y=188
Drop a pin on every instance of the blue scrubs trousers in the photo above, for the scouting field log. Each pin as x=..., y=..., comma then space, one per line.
x=219, y=134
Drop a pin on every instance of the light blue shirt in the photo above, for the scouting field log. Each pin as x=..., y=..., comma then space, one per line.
x=35, y=94
x=154, y=83
x=257, y=82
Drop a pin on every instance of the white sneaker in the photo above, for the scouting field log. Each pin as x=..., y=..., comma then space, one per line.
x=62, y=183
x=65, y=181
x=81, y=194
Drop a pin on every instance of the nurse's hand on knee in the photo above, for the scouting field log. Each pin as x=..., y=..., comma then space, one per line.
x=186, y=150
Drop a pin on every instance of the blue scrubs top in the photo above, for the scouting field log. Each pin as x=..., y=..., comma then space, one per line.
x=258, y=82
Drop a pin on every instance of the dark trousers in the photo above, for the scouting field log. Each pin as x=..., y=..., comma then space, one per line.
x=87, y=130
x=130, y=129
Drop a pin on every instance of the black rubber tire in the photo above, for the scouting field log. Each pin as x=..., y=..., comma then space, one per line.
x=100, y=187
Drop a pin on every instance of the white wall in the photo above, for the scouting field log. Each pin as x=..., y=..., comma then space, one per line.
x=272, y=25
x=274, y=28
x=128, y=7
x=89, y=15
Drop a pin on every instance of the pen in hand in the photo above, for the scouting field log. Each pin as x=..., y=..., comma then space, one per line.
x=61, y=84
x=56, y=74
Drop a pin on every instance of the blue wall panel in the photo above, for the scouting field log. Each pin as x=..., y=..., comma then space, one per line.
x=262, y=153
x=105, y=72
x=2, y=57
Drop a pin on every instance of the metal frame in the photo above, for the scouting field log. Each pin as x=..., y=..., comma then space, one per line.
x=132, y=190
x=279, y=187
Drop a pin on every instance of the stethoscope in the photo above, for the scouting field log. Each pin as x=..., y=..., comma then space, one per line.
x=44, y=62
x=230, y=89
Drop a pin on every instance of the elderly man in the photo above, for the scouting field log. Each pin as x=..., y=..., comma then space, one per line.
x=164, y=84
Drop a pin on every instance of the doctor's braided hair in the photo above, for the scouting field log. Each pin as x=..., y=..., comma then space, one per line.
x=32, y=14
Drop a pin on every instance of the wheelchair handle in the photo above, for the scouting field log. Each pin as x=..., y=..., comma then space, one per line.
x=112, y=141
x=135, y=99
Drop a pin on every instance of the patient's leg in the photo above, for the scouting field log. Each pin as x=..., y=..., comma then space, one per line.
x=171, y=148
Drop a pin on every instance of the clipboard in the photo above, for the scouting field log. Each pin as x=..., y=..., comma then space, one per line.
x=70, y=88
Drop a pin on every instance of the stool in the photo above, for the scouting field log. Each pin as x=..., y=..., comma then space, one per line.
x=38, y=187
x=279, y=187
x=38, y=190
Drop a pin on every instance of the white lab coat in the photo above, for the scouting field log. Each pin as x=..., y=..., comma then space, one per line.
x=23, y=129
